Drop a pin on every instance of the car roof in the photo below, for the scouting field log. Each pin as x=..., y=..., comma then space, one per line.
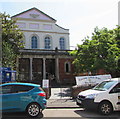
x=19, y=83
x=115, y=79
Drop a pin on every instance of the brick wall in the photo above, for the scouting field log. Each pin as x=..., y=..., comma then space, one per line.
x=66, y=77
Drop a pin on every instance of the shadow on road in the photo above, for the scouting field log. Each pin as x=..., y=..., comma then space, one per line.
x=18, y=115
x=95, y=115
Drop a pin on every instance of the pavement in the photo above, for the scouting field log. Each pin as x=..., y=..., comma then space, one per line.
x=70, y=113
x=61, y=98
x=61, y=103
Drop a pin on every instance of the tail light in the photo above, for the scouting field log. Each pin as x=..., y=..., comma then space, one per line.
x=42, y=94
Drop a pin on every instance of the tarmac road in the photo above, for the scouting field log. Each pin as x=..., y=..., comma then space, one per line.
x=78, y=112
x=67, y=112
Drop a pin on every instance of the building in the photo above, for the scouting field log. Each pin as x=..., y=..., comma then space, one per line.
x=46, y=48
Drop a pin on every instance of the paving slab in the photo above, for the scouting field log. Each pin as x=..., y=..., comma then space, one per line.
x=60, y=113
x=60, y=93
x=61, y=103
x=61, y=98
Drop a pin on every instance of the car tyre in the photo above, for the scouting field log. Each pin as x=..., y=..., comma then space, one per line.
x=33, y=110
x=105, y=108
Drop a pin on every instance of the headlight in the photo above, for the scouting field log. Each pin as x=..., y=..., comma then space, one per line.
x=91, y=96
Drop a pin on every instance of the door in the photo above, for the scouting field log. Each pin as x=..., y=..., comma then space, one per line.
x=21, y=96
x=50, y=68
x=7, y=98
x=37, y=70
x=24, y=69
x=115, y=96
x=15, y=97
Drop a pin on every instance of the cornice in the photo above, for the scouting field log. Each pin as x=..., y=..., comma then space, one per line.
x=30, y=19
x=44, y=31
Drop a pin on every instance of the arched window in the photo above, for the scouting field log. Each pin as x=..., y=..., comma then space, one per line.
x=34, y=42
x=62, y=43
x=67, y=67
x=47, y=43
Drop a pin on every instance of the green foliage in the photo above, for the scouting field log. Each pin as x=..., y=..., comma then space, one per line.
x=102, y=51
x=8, y=55
x=11, y=41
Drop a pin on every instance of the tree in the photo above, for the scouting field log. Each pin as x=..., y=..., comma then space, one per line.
x=12, y=41
x=102, y=51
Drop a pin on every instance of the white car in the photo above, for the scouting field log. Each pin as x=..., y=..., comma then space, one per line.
x=105, y=97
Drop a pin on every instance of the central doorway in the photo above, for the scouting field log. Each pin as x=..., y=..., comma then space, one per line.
x=50, y=69
x=50, y=73
x=37, y=70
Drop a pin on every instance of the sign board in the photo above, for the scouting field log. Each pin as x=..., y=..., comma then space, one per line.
x=91, y=80
x=45, y=83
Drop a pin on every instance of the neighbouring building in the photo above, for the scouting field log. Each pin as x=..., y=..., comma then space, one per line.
x=46, y=48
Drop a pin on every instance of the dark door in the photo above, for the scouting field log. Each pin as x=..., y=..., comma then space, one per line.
x=37, y=70
x=50, y=68
x=24, y=69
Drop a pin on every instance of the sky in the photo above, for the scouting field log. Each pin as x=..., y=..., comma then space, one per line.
x=79, y=16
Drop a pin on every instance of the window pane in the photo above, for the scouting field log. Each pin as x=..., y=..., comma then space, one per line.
x=62, y=43
x=47, y=43
x=34, y=42
x=21, y=88
x=116, y=89
x=67, y=67
x=6, y=89
x=104, y=85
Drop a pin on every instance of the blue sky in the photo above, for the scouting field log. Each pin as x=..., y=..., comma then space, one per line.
x=79, y=16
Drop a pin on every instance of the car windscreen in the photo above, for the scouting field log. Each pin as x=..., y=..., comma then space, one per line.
x=104, y=85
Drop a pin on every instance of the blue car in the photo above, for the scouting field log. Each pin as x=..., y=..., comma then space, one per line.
x=19, y=97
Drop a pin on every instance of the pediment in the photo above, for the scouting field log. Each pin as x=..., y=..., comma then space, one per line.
x=34, y=13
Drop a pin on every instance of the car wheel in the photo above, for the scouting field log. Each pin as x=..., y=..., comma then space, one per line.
x=105, y=108
x=33, y=110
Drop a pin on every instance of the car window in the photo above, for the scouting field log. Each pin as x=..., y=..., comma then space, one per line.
x=116, y=89
x=21, y=88
x=105, y=85
x=6, y=89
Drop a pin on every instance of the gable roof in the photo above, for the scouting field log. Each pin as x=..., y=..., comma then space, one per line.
x=18, y=15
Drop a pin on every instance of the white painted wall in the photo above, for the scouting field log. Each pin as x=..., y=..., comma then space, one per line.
x=37, y=27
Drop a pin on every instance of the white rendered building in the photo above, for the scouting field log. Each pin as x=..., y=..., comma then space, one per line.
x=41, y=31
x=46, y=48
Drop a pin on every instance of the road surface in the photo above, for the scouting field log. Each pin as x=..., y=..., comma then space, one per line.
x=76, y=112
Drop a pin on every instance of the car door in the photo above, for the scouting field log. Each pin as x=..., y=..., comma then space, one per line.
x=6, y=97
x=21, y=96
x=15, y=97
x=115, y=96
x=11, y=98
